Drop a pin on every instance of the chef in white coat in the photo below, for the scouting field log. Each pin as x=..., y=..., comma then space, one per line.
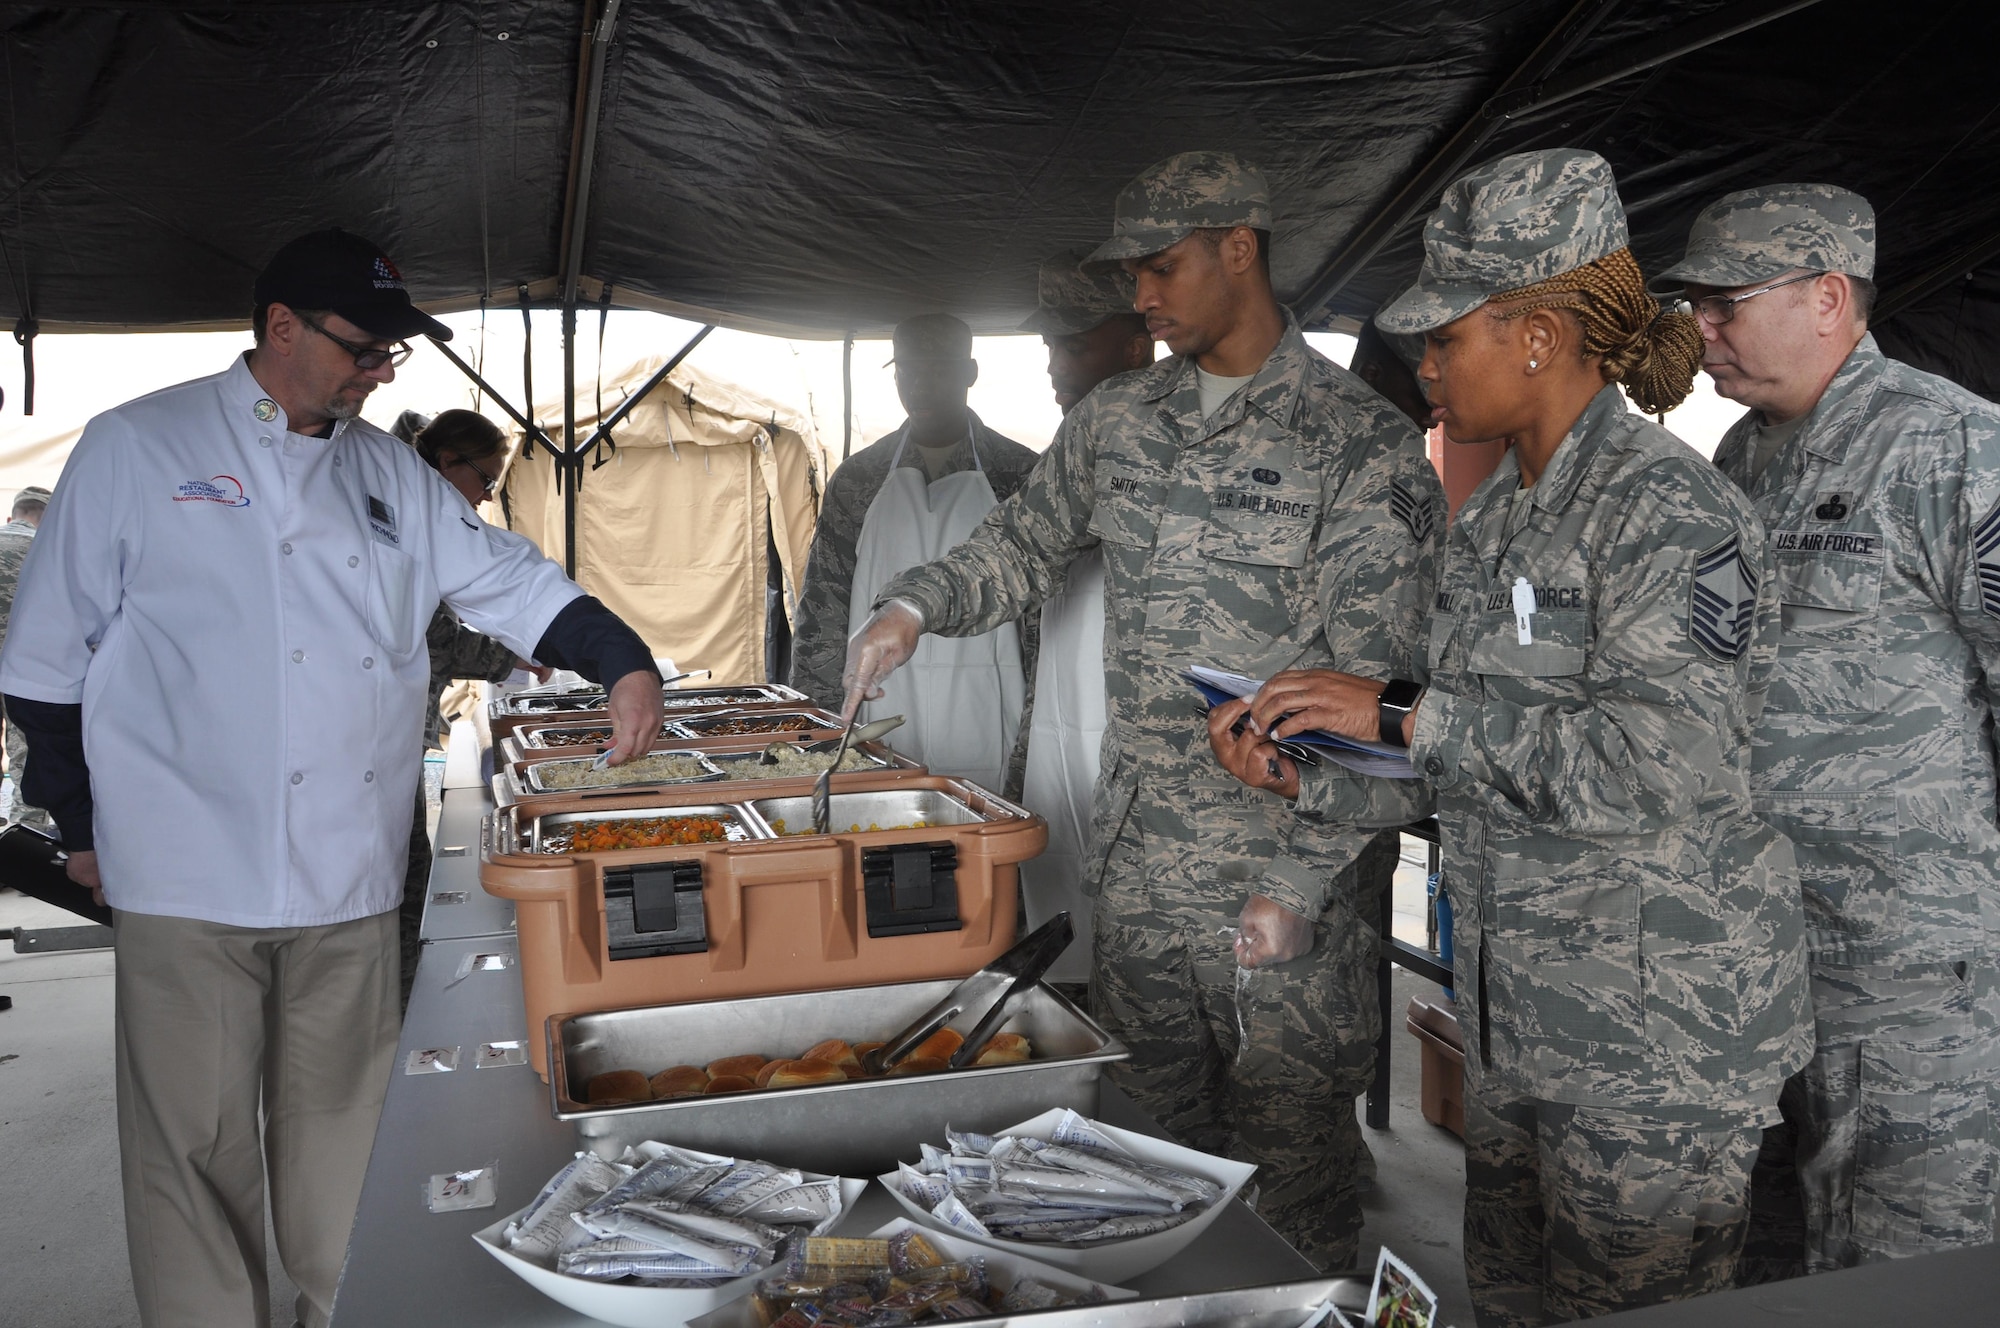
x=1087, y=323
x=900, y=502
x=218, y=656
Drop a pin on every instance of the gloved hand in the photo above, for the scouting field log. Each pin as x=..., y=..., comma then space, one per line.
x=883, y=645
x=1270, y=933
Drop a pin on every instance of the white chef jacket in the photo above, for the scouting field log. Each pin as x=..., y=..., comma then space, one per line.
x=241, y=610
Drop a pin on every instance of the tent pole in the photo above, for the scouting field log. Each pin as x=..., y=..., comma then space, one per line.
x=617, y=417
x=846, y=396
x=1528, y=88
x=528, y=426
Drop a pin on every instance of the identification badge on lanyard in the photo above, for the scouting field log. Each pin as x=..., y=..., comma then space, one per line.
x=1524, y=611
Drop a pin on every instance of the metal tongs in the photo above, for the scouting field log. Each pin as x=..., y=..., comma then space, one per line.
x=822, y=799
x=993, y=988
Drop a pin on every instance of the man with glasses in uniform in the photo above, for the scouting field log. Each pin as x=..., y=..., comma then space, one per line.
x=1880, y=487
x=218, y=656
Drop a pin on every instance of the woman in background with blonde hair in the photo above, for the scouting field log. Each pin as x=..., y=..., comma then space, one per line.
x=1629, y=968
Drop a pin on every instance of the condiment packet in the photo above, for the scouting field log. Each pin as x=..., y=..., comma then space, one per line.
x=431, y=1060
x=545, y=1225
x=479, y=963
x=443, y=897
x=493, y=1055
x=460, y=1191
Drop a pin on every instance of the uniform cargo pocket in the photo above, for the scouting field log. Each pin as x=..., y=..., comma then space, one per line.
x=392, y=594
x=1829, y=596
x=1924, y=1149
x=1849, y=868
x=1125, y=508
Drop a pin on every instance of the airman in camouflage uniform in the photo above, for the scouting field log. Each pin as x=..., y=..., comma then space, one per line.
x=1629, y=970
x=819, y=641
x=1875, y=751
x=15, y=537
x=1296, y=523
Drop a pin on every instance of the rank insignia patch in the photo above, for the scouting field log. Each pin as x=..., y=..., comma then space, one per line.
x=1725, y=596
x=1412, y=512
x=1986, y=548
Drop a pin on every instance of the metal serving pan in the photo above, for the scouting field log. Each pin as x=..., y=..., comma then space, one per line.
x=1284, y=1305
x=538, y=774
x=735, y=765
x=858, y=1128
x=684, y=698
x=741, y=723
x=886, y=809
x=588, y=734
x=740, y=823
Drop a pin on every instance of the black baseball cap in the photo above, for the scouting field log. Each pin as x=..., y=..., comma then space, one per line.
x=338, y=270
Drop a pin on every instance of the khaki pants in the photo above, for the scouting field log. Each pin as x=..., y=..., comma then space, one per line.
x=214, y=1024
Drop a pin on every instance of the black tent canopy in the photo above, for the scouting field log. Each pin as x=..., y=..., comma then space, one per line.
x=821, y=168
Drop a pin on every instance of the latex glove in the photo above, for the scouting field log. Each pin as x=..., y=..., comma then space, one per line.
x=1270, y=933
x=1250, y=758
x=883, y=645
x=82, y=869
x=636, y=714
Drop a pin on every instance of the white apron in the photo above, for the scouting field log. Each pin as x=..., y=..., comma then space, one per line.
x=1063, y=743
x=962, y=695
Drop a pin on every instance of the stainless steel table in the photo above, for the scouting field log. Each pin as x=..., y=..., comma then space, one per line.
x=455, y=908
x=408, y=1266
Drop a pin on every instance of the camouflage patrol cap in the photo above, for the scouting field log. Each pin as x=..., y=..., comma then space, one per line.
x=1069, y=299
x=931, y=338
x=1509, y=224
x=1756, y=234
x=34, y=493
x=1172, y=199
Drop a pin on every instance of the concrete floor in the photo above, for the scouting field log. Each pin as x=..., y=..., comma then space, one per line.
x=62, y=1229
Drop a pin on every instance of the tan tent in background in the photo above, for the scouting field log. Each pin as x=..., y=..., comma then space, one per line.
x=676, y=526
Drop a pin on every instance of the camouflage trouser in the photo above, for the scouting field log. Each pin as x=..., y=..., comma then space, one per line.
x=1573, y=1212
x=416, y=887
x=1266, y=1073
x=17, y=769
x=1889, y=1146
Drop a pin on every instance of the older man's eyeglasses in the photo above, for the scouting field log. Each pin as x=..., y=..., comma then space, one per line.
x=1715, y=310
x=365, y=357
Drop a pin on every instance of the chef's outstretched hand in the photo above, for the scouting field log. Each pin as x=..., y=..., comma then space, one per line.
x=1301, y=700
x=1246, y=755
x=1270, y=933
x=636, y=712
x=82, y=869
x=883, y=645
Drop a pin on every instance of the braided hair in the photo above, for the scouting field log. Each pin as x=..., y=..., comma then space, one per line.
x=1653, y=351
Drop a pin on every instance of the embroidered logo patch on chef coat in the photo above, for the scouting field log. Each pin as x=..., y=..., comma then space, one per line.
x=382, y=519
x=1986, y=547
x=1412, y=512
x=1725, y=597
x=1832, y=507
x=224, y=489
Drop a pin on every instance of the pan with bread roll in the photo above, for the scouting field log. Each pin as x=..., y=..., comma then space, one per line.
x=782, y=1077
x=639, y=897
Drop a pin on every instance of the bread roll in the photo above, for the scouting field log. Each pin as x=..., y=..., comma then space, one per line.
x=747, y=1066
x=763, y=1076
x=679, y=1081
x=939, y=1045
x=616, y=1086
x=920, y=1065
x=728, y=1083
x=833, y=1051
x=796, y=1074
x=1004, y=1049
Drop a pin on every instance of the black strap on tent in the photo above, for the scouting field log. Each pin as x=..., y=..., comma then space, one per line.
x=528, y=373
x=25, y=333
x=601, y=456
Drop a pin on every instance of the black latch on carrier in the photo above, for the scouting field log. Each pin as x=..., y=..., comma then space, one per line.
x=910, y=888
x=654, y=909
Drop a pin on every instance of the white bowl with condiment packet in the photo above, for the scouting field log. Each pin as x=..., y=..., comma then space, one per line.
x=1112, y=1260
x=637, y=1306
x=1003, y=1270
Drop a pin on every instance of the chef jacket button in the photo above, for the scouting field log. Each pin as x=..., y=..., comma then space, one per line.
x=264, y=441
x=298, y=778
x=298, y=657
x=336, y=461
x=368, y=778
x=352, y=561
x=367, y=661
x=1434, y=766
x=286, y=548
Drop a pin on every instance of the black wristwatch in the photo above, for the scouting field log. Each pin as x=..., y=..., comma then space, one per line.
x=1398, y=699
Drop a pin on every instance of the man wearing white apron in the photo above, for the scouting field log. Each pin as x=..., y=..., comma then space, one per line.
x=1092, y=332
x=898, y=503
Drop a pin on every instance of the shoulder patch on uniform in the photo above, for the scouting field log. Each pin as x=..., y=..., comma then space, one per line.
x=1986, y=548
x=1412, y=511
x=1724, y=598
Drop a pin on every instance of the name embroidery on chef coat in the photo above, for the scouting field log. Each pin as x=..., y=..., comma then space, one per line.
x=224, y=489
x=382, y=520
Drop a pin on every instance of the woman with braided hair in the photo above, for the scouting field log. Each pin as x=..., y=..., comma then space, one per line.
x=1629, y=968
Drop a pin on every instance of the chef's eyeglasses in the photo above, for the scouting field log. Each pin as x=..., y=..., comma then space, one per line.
x=487, y=483
x=365, y=357
x=1715, y=310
